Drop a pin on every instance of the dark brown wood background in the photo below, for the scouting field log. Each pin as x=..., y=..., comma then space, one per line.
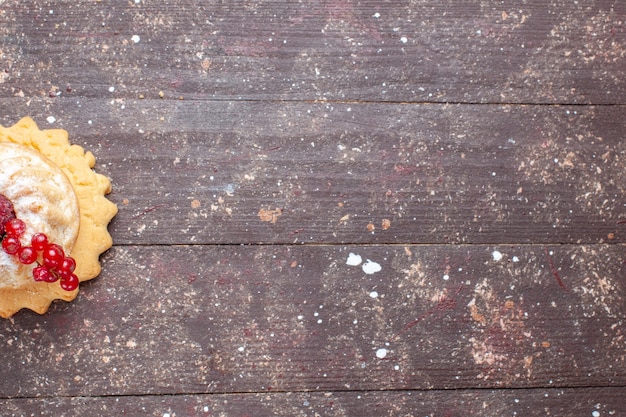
x=472, y=151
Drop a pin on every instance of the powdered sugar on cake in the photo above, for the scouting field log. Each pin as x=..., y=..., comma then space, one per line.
x=42, y=197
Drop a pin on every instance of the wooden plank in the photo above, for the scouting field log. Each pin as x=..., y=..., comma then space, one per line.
x=407, y=51
x=241, y=172
x=326, y=122
x=459, y=403
x=201, y=319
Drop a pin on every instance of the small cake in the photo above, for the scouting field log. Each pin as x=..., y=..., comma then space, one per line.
x=53, y=217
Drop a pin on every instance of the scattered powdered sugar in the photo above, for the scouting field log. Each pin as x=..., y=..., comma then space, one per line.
x=371, y=267
x=354, y=260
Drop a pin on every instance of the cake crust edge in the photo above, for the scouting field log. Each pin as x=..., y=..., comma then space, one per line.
x=96, y=211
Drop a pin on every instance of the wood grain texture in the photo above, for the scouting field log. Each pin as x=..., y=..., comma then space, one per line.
x=459, y=403
x=408, y=51
x=333, y=208
x=239, y=172
x=302, y=318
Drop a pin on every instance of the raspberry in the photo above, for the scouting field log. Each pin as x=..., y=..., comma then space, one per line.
x=7, y=213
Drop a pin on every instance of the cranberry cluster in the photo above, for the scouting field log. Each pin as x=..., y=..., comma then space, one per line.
x=52, y=264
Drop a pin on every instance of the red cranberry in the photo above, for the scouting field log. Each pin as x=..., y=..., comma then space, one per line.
x=7, y=213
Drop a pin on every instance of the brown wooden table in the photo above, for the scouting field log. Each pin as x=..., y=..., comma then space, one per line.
x=333, y=207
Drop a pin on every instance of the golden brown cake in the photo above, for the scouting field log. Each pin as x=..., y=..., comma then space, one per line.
x=54, y=191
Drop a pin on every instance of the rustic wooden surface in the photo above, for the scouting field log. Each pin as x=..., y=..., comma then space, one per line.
x=334, y=208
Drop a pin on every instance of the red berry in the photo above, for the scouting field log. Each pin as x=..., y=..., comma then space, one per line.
x=41, y=273
x=52, y=277
x=11, y=245
x=6, y=213
x=53, y=256
x=55, y=265
x=27, y=255
x=39, y=241
x=70, y=283
x=67, y=267
x=68, y=264
x=15, y=227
